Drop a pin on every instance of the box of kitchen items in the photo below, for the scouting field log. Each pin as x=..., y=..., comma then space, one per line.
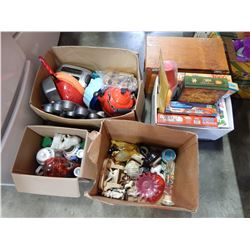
x=148, y=166
x=82, y=86
x=51, y=161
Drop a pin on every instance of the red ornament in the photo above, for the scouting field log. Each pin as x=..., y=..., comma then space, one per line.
x=150, y=186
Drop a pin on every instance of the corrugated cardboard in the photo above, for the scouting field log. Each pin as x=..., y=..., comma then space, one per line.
x=239, y=70
x=163, y=88
x=93, y=58
x=186, y=186
x=25, y=164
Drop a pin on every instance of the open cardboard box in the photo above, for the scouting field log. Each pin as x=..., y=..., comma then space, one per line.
x=204, y=133
x=93, y=58
x=160, y=99
x=23, y=171
x=186, y=184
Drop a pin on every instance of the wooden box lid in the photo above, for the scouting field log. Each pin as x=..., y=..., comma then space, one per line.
x=191, y=54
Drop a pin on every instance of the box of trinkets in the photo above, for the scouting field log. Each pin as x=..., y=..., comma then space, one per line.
x=140, y=164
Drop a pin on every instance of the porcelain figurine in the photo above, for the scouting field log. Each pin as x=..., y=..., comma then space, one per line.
x=132, y=169
x=64, y=142
x=110, y=185
x=132, y=192
x=115, y=193
x=122, y=151
x=160, y=170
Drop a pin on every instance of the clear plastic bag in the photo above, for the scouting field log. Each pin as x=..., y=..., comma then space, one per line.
x=119, y=79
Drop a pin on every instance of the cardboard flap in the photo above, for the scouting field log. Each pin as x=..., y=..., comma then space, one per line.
x=89, y=171
x=94, y=149
x=163, y=87
x=136, y=132
x=140, y=105
x=98, y=58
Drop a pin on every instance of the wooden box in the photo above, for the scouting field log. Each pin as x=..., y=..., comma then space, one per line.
x=203, y=55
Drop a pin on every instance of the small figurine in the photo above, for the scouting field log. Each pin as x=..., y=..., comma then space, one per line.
x=64, y=142
x=115, y=193
x=111, y=185
x=113, y=165
x=132, y=192
x=167, y=200
x=113, y=176
x=159, y=169
x=123, y=150
x=129, y=185
x=132, y=169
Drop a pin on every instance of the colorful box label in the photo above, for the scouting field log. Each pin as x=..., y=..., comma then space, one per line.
x=191, y=109
x=187, y=120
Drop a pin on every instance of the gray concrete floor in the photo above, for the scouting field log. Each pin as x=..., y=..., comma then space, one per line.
x=224, y=164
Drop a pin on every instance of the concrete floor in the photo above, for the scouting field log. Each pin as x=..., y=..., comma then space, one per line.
x=224, y=164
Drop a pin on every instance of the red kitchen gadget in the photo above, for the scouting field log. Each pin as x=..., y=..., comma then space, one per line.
x=116, y=101
x=65, y=89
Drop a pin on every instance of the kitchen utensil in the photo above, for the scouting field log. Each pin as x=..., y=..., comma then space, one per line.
x=68, y=90
x=50, y=90
x=81, y=74
x=116, y=101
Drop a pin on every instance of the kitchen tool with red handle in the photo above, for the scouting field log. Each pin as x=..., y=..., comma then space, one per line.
x=46, y=66
x=67, y=90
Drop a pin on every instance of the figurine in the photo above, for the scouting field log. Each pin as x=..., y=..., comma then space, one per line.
x=132, y=192
x=115, y=193
x=132, y=169
x=138, y=158
x=122, y=151
x=113, y=176
x=64, y=142
x=111, y=185
x=167, y=200
x=129, y=185
x=160, y=170
x=113, y=165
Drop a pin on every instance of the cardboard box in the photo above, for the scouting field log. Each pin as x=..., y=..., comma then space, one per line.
x=202, y=132
x=25, y=164
x=199, y=55
x=93, y=58
x=239, y=70
x=186, y=184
